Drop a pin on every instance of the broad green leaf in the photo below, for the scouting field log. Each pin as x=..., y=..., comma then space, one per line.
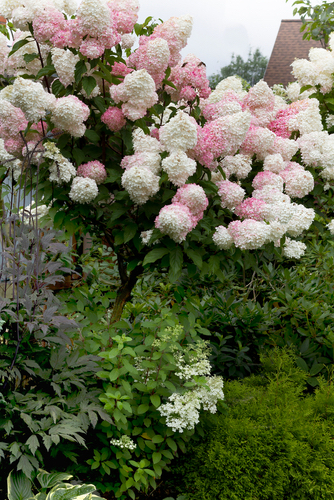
x=176, y=261
x=46, y=71
x=154, y=255
x=18, y=486
x=19, y=44
x=30, y=57
x=130, y=231
x=142, y=409
x=50, y=479
x=80, y=69
x=92, y=135
x=79, y=156
x=155, y=400
x=302, y=364
x=195, y=257
x=89, y=84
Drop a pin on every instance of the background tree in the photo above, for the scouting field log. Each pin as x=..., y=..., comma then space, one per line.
x=318, y=20
x=251, y=70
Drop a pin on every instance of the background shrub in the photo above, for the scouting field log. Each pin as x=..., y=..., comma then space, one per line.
x=272, y=444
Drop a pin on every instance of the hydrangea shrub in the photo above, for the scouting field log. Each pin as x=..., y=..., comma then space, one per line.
x=132, y=147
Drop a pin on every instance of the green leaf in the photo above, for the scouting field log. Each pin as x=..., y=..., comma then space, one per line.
x=92, y=135
x=195, y=257
x=19, y=44
x=154, y=255
x=33, y=443
x=18, y=486
x=156, y=456
x=80, y=69
x=316, y=368
x=89, y=84
x=30, y=57
x=130, y=231
x=46, y=71
x=50, y=479
x=57, y=87
x=155, y=400
x=142, y=409
x=302, y=364
x=79, y=156
x=176, y=261
x=99, y=103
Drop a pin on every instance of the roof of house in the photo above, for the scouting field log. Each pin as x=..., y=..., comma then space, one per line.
x=289, y=45
x=2, y=20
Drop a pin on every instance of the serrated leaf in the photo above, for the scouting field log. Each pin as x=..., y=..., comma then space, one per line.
x=33, y=443
x=154, y=255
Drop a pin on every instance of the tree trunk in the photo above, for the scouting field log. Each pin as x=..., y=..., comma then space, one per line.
x=124, y=293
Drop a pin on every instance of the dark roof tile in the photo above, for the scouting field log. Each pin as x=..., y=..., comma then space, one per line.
x=289, y=45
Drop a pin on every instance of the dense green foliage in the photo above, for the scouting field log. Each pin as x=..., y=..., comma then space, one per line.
x=274, y=442
x=318, y=20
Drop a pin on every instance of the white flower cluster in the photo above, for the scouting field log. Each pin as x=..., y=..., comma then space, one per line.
x=61, y=170
x=238, y=165
x=83, y=190
x=182, y=410
x=64, y=62
x=69, y=113
x=317, y=71
x=141, y=183
x=179, y=167
x=293, y=249
x=308, y=120
x=124, y=442
x=330, y=226
x=31, y=98
x=137, y=93
x=222, y=238
x=317, y=149
x=179, y=134
x=230, y=83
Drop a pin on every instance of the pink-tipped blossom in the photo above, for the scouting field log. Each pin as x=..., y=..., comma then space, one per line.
x=252, y=209
x=249, y=234
x=176, y=221
x=267, y=178
x=231, y=194
x=114, y=118
x=193, y=197
x=93, y=170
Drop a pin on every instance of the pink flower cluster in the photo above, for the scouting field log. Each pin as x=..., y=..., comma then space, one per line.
x=280, y=125
x=190, y=80
x=114, y=118
x=187, y=208
x=93, y=170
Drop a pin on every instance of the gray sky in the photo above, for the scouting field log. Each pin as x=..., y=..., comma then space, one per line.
x=222, y=27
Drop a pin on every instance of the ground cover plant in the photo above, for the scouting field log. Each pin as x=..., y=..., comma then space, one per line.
x=198, y=204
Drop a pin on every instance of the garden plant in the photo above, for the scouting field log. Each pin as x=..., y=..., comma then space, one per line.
x=199, y=204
